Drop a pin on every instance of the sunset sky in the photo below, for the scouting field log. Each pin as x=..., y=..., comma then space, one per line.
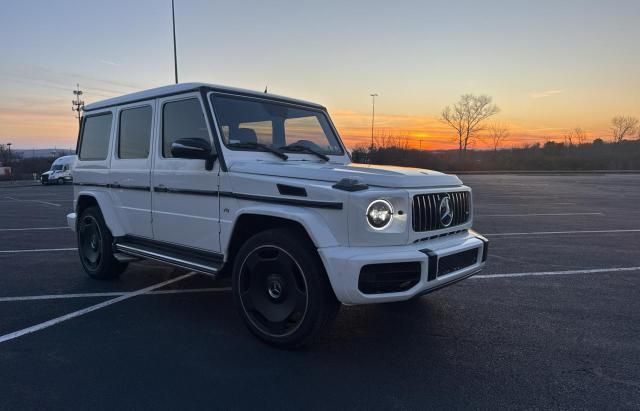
x=549, y=65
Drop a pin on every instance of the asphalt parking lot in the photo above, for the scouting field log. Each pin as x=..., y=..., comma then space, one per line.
x=553, y=321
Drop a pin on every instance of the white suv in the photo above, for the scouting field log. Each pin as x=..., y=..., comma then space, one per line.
x=227, y=181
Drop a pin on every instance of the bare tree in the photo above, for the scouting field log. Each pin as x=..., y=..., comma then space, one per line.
x=623, y=126
x=387, y=139
x=575, y=136
x=498, y=134
x=579, y=135
x=466, y=117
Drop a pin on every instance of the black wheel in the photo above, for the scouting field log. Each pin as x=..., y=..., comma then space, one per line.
x=95, y=245
x=281, y=289
x=60, y=181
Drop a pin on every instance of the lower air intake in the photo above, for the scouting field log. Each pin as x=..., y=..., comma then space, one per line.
x=388, y=278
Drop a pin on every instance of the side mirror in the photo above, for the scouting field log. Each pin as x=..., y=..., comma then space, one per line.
x=193, y=148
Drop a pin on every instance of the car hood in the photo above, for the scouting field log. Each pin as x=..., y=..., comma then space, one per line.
x=374, y=175
x=47, y=173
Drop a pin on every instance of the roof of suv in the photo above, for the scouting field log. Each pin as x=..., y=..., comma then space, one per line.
x=187, y=87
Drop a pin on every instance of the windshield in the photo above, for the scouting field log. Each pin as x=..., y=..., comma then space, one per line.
x=56, y=167
x=277, y=125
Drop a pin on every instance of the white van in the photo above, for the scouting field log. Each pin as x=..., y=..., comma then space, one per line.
x=259, y=187
x=60, y=171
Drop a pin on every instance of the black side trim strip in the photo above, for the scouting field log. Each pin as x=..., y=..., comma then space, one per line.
x=118, y=186
x=185, y=191
x=127, y=187
x=286, y=201
x=265, y=199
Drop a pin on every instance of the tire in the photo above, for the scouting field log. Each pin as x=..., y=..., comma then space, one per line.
x=60, y=181
x=281, y=290
x=95, y=246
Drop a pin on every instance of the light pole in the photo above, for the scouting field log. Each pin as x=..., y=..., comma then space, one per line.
x=373, y=114
x=77, y=105
x=9, y=148
x=175, y=55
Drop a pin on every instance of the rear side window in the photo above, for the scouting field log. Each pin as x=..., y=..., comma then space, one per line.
x=182, y=119
x=95, y=137
x=135, y=133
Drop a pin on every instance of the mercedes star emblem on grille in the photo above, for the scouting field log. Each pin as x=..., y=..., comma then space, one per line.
x=446, y=212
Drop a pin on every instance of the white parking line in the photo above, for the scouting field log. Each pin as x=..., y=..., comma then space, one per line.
x=33, y=201
x=41, y=250
x=536, y=214
x=110, y=294
x=34, y=228
x=58, y=320
x=567, y=272
x=634, y=230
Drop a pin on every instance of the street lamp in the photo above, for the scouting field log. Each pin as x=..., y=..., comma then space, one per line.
x=373, y=114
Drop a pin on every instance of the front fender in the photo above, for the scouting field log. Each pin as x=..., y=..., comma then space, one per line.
x=107, y=208
x=317, y=226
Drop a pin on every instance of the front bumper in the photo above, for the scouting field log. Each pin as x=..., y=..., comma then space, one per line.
x=344, y=264
x=71, y=221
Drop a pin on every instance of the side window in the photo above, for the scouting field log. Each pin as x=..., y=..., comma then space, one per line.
x=182, y=119
x=135, y=133
x=95, y=137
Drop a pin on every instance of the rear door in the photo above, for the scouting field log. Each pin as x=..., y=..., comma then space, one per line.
x=185, y=195
x=131, y=168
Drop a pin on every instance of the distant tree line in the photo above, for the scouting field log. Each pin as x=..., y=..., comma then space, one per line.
x=598, y=155
x=469, y=120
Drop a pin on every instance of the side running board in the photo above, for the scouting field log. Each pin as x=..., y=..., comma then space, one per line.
x=191, y=259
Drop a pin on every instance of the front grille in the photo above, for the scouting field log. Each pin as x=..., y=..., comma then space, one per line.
x=388, y=277
x=455, y=262
x=426, y=210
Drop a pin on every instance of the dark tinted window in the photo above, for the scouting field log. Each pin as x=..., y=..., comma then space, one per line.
x=135, y=133
x=182, y=119
x=95, y=137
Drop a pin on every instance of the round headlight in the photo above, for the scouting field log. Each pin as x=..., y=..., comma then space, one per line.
x=379, y=214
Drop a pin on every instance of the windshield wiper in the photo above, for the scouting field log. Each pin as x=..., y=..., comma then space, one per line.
x=260, y=147
x=304, y=149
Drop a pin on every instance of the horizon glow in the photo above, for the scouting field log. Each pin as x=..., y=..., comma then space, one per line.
x=549, y=66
